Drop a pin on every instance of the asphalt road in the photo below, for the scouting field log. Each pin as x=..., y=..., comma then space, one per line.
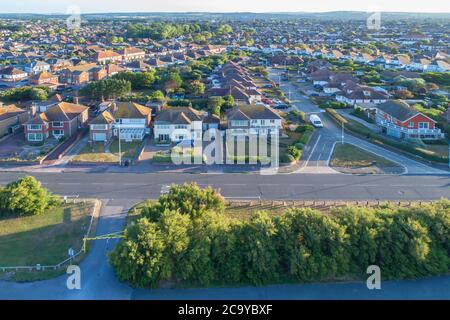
x=140, y=186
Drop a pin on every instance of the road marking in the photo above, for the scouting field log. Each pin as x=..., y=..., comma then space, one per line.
x=312, y=151
x=165, y=189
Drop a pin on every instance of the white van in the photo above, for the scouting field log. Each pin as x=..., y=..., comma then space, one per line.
x=315, y=121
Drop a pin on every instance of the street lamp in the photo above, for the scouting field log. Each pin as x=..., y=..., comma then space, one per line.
x=120, y=146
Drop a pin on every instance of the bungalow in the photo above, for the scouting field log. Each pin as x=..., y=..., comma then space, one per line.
x=396, y=118
x=62, y=120
x=11, y=117
x=362, y=95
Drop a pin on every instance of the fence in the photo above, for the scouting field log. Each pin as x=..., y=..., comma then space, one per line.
x=68, y=261
x=319, y=204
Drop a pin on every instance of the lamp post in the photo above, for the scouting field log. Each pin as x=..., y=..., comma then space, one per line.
x=342, y=134
x=120, y=146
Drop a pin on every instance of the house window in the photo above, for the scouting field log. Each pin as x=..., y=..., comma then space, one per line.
x=411, y=124
x=35, y=137
x=423, y=125
x=181, y=126
x=98, y=126
x=163, y=126
x=239, y=123
x=272, y=121
x=57, y=124
x=58, y=132
x=34, y=127
x=263, y=122
x=254, y=121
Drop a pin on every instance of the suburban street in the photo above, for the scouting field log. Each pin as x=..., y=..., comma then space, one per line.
x=320, y=149
x=140, y=186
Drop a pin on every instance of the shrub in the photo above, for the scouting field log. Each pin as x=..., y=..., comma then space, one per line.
x=26, y=197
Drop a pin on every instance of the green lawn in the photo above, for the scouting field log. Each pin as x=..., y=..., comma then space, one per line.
x=128, y=149
x=44, y=239
x=352, y=157
x=97, y=152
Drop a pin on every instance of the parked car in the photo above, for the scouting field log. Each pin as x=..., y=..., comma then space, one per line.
x=281, y=106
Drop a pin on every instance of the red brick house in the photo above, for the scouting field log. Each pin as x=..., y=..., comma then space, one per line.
x=62, y=120
x=398, y=119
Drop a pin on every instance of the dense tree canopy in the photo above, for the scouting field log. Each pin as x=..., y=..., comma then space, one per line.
x=185, y=237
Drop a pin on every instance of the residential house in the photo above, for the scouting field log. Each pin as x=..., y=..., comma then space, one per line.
x=132, y=54
x=398, y=119
x=11, y=117
x=178, y=124
x=12, y=74
x=36, y=67
x=107, y=56
x=43, y=77
x=247, y=120
x=128, y=121
x=83, y=73
x=62, y=120
x=361, y=96
x=101, y=128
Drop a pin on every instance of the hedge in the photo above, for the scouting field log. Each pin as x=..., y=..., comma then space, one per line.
x=199, y=245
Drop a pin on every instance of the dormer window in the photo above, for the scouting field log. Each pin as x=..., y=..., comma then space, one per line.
x=366, y=93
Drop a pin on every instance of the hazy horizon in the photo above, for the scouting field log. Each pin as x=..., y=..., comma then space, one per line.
x=223, y=6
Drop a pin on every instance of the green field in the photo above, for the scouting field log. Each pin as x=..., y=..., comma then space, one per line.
x=351, y=157
x=43, y=239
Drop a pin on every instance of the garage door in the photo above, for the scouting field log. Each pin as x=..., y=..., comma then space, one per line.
x=99, y=136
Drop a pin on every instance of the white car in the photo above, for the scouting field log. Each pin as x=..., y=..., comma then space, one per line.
x=315, y=121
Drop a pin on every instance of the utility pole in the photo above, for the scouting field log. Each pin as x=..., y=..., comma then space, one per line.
x=120, y=146
x=342, y=135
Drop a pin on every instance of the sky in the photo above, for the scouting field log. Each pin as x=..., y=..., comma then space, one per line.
x=96, y=6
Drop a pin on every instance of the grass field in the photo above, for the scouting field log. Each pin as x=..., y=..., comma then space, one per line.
x=98, y=153
x=347, y=156
x=43, y=239
x=95, y=153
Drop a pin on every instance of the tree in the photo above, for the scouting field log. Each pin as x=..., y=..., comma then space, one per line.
x=157, y=95
x=313, y=245
x=39, y=94
x=26, y=196
x=172, y=82
x=258, y=249
x=229, y=101
x=196, y=88
x=107, y=89
x=188, y=199
x=215, y=104
x=138, y=259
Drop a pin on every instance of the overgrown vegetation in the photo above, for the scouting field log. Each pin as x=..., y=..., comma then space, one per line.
x=185, y=239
